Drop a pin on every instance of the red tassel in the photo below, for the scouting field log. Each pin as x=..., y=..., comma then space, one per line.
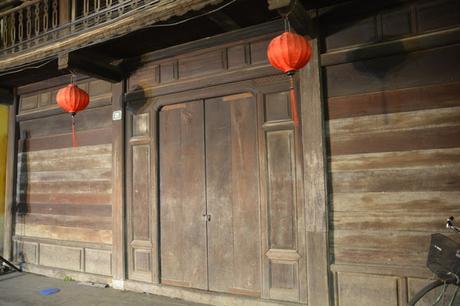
x=74, y=134
x=295, y=116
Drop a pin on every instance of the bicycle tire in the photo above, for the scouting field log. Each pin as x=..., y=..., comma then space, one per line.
x=431, y=286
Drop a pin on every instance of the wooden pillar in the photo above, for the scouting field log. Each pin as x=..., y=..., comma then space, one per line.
x=10, y=181
x=118, y=215
x=315, y=178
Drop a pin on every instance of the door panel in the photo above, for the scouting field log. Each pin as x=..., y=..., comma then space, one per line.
x=182, y=195
x=232, y=193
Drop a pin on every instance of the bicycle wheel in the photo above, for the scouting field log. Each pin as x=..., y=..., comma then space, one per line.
x=437, y=293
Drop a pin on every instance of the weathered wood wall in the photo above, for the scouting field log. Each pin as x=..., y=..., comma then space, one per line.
x=393, y=127
x=64, y=194
x=209, y=133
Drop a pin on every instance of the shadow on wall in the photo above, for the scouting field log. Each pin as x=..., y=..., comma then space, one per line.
x=382, y=67
x=21, y=197
x=383, y=71
x=137, y=101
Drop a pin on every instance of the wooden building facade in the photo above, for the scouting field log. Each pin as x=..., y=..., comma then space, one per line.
x=190, y=179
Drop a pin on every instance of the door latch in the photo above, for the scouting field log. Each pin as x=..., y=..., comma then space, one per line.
x=207, y=217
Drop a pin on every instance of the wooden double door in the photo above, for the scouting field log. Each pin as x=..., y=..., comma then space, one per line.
x=209, y=195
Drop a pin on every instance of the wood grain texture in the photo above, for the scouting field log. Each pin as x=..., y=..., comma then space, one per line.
x=219, y=64
x=71, y=210
x=141, y=212
x=232, y=195
x=406, y=140
x=361, y=290
x=64, y=233
x=84, y=138
x=182, y=200
x=64, y=193
x=281, y=185
x=393, y=153
x=141, y=197
x=419, y=179
x=283, y=227
x=433, y=118
x=394, y=101
x=116, y=264
x=395, y=201
x=437, y=66
x=314, y=176
x=395, y=160
x=95, y=118
x=98, y=223
x=10, y=182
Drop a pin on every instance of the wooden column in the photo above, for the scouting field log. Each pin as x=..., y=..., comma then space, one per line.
x=10, y=182
x=314, y=155
x=118, y=215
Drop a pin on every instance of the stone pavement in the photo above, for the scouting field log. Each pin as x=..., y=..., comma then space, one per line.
x=22, y=289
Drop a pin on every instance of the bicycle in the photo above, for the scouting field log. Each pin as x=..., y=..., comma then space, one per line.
x=444, y=261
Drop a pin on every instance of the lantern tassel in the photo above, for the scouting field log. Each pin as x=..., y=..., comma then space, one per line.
x=295, y=116
x=74, y=133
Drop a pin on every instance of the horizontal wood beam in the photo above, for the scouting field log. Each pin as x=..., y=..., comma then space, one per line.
x=277, y=4
x=298, y=17
x=6, y=96
x=94, y=68
x=224, y=21
x=267, y=28
x=393, y=47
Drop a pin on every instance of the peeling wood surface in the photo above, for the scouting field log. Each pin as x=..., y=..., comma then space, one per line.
x=64, y=194
x=393, y=135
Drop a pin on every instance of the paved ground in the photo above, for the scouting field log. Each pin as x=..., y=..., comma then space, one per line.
x=23, y=289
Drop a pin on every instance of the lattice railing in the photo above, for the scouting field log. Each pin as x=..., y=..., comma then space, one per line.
x=27, y=21
x=37, y=22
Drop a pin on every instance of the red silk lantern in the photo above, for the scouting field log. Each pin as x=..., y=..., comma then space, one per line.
x=72, y=99
x=289, y=52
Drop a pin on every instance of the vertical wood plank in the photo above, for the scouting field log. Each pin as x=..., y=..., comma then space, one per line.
x=153, y=126
x=182, y=196
x=10, y=181
x=118, y=228
x=232, y=195
x=313, y=141
x=219, y=189
x=281, y=182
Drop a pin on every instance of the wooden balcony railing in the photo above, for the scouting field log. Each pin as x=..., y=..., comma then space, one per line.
x=38, y=22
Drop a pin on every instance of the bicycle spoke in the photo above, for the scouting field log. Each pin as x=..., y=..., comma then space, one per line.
x=454, y=296
x=441, y=296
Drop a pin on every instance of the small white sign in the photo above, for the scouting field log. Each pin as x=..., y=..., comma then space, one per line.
x=116, y=115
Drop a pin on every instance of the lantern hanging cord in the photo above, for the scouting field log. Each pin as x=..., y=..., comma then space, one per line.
x=287, y=25
x=73, y=78
x=285, y=16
